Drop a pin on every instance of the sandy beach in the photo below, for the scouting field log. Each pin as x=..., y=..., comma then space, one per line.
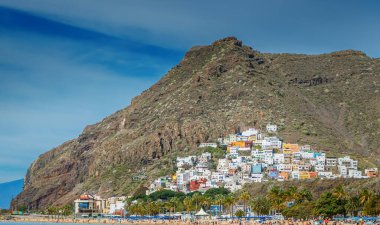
x=33, y=219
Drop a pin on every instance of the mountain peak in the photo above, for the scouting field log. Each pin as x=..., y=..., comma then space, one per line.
x=228, y=40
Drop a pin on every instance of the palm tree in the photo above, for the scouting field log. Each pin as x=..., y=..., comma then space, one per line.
x=174, y=201
x=219, y=200
x=206, y=202
x=245, y=198
x=130, y=209
x=365, y=196
x=196, y=198
x=304, y=195
x=292, y=193
x=276, y=198
x=188, y=203
x=377, y=206
x=158, y=206
x=340, y=193
x=141, y=208
x=152, y=207
x=229, y=201
x=168, y=206
x=353, y=205
x=368, y=201
x=261, y=205
x=137, y=209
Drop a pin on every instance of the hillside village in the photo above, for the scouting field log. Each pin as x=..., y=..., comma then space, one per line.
x=241, y=158
x=255, y=156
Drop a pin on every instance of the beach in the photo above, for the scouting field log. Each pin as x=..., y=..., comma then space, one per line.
x=22, y=220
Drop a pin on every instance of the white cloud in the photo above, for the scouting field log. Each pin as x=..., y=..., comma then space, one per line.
x=51, y=88
x=273, y=26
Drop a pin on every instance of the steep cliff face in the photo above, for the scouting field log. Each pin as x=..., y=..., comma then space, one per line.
x=330, y=101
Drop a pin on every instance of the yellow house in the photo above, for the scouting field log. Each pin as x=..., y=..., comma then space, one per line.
x=252, y=138
x=287, y=151
x=304, y=175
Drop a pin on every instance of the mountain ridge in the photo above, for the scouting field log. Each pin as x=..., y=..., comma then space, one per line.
x=215, y=90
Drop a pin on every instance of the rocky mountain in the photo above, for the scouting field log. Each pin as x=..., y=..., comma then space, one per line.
x=330, y=101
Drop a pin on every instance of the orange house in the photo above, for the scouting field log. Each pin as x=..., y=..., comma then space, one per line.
x=232, y=171
x=292, y=147
x=284, y=175
x=372, y=172
x=313, y=174
x=241, y=144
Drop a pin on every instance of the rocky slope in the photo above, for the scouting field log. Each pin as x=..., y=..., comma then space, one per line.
x=330, y=101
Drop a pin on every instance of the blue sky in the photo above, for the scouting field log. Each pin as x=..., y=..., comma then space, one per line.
x=67, y=64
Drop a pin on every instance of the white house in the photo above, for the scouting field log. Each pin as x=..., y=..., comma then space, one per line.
x=327, y=174
x=189, y=160
x=307, y=155
x=222, y=165
x=116, y=204
x=182, y=179
x=271, y=142
x=232, y=137
x=204, y=158
x=331, y=161
x=218, y=177
x=278, y=158
x=354, y=173
x=285, y=167
x=348, y=162
x=305, y=148
x=250, y=132
x=321, y=159
x=241, y=138
x=232, y=186
x=268, y=160
x=205, y=145
x=295, y=175
x=343, y=171
x=271, y=128
x=258, y=154
x=232, y=165
x=319, y=168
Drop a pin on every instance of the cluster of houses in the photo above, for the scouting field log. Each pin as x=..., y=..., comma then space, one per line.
x=88, y=204
x=255, y=156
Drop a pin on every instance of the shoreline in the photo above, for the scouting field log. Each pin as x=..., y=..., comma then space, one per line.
x=168, y=222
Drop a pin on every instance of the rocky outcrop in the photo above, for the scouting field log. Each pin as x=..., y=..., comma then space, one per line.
x=330, y=101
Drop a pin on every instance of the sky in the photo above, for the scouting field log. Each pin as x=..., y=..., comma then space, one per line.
x=67, y=64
